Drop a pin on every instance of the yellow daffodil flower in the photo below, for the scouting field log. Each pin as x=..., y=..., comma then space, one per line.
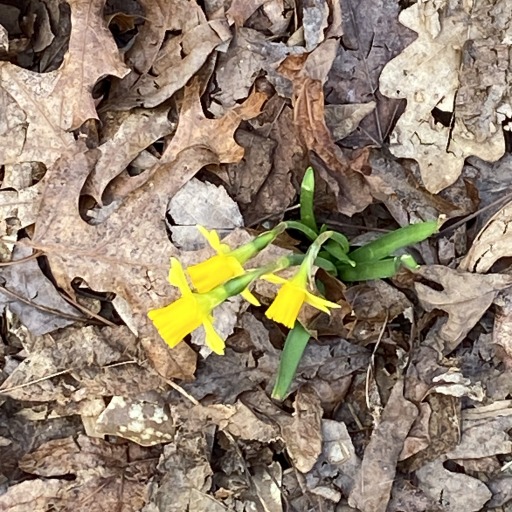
x=215, y=270
x=186, y=314
x=227, y=263
x=292, y=295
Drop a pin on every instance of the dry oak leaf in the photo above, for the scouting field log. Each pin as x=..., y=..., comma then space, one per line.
x=382, y=453
x=125, y=135
x=455, y=491
x=129, y=252
x=464, y=296
x=160, y=18
x=40, y=108
x=308, y=75
x=494, y=241
x=426, y=74
x=178, y=60
x=92, y=55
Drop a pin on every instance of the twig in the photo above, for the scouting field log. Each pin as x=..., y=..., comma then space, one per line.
x=506, y=197
x=36, y=381
x=46, y=309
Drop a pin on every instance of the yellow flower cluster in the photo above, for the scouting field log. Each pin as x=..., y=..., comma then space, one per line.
x=221, y=277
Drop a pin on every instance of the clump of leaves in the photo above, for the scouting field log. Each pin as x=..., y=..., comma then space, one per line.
x=224, y=275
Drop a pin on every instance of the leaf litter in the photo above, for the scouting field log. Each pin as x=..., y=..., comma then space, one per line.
x=126, y=124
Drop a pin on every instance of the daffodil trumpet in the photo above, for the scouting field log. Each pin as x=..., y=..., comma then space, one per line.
x=293, y=293
x=227, y=263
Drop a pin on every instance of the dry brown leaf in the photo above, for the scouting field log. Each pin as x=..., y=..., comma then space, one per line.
x=241, y=10
x=373, y=304
x=248, y=55
x=129, y=253
x=32, y=129
x=371, y=37
x=183, y=472
x=172, y=16
x=406, y=198
x=101, y=470
x=4, y=40
x=338, y=460
x=459, y=492
x=303, y=433
x=502, y=332
x=27, y=280
x=426, y=73
x=203, y=204
x=33, y=495
x=141, y=421
x=494, y=241
x=237, y=419
x=381, y=454
x=308, y=76
x=464, y=296
x=483, y=438
x=501, y=488
x=406, y=497
x=103, y=364
x=41, y=108
x=342, y=120
x=262, y=183
x=82, y=68
x=125, y=135
x=440, y=435
x=179, y=58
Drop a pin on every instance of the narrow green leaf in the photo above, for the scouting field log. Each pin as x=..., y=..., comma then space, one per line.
x=299, y=226
x=387, y=244
x=294, y=347
x=369, y=270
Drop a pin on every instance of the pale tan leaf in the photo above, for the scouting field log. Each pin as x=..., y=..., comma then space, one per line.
x=464, y=296
x=494, y=241
x=204, y=204
x=427, y=74
x=460, y=492
x=82, y=68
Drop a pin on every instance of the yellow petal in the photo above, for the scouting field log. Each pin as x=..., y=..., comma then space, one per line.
x=214, y=240
x=213, y=340
x=286, y=305
x=250, y=298
x=272, y=278
x=177, y=277
x=319, y=303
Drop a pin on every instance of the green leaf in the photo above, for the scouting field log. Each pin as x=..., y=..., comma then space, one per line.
x=387, y=244
x=307, y=193
x=294, y=347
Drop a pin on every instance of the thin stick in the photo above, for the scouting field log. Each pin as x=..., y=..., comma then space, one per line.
x=36, y=381
x=182, y=392
x=474, y=214
x=371, y=366
x=46, y=309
